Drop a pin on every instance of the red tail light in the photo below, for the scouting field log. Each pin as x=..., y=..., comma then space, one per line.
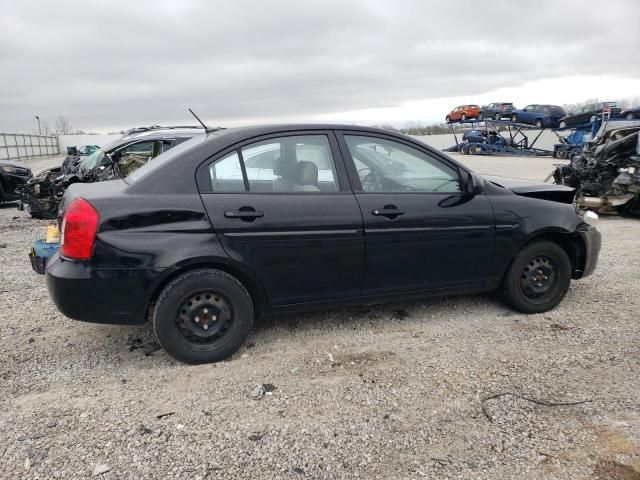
x=79, y=228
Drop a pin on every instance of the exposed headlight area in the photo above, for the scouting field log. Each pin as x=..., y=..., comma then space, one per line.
x=591, y=218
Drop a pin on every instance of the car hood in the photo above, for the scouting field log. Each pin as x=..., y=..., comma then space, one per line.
x=539, y=190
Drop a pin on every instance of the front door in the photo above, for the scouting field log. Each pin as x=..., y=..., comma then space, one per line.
x=282, y=207
x=422, y=232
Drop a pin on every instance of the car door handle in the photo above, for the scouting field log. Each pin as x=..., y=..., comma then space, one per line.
x=389, y=211
x=243, y=213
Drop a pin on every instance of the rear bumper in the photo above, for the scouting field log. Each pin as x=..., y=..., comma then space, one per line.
x=115, y=296
x=593, y=242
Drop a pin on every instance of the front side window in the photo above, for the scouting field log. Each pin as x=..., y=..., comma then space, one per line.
x=392, y=167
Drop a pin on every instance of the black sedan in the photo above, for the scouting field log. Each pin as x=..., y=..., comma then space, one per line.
x=12, y=177
x=588, y=113
x=245, y=222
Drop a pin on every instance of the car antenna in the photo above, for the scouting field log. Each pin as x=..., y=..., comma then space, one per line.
x=206, y=129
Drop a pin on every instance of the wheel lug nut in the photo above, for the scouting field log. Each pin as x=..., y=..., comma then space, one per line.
x=206, y=310
x=205, y=326
x=214, y=318
x=197, y=319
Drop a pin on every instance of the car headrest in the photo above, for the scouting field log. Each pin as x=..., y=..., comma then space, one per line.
x=305, y=173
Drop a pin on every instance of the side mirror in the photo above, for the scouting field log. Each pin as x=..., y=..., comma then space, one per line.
x=475, y=183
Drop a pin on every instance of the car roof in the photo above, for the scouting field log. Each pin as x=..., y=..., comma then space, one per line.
x=164, y=132
x=170, y=178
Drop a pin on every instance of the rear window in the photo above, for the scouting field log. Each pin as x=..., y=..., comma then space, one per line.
x=166, y=157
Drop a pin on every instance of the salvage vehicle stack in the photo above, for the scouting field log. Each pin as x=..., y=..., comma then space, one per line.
x=41, y=194
x=606, y=175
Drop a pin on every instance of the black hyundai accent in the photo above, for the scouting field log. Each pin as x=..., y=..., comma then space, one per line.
x=244, y=222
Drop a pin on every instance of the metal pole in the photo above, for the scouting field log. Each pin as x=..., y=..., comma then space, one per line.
x=39, y=129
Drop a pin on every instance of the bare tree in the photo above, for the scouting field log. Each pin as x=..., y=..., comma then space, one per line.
x=45, y=127
x=63, y=126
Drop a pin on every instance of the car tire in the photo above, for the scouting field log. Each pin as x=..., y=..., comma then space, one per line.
x=463, y=117
x=497, y=116
x=481, y=116
x=538, y=278
x=514, y=118
x=448, y=119
x=562, y=124
x=203, y=316
x=1, y=194
x=629, y=116
x=539, y=123
x=562, y=153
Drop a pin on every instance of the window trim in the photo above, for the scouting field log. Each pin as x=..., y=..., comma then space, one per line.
x=352, y=171
x=342, y=178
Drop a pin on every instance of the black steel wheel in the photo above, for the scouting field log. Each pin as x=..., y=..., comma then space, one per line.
x=203, y=316
x=538, y=278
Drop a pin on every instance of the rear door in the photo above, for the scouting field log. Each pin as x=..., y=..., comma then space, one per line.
x=422, y=232
x=282, y=206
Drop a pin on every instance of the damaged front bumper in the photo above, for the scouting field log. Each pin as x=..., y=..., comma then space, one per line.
x=592, y=242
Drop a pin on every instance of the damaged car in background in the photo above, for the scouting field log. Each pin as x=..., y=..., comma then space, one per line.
x=41, y=194
x=606, y=175
x=12, y=178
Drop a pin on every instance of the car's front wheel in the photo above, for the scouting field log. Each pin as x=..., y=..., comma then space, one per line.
x=514, y=118
x=203, y=316
x=538, y=278
x=562, y=124
x=497, y=116
x=463, y=117
x=539, y=123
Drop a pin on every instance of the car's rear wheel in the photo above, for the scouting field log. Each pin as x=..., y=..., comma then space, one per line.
x=203, y=316
x=629, y=116
x=562, y=124
x=538, y=278
x=539, y=123
x=514, y=118
x=463, y=117
x=448, y=119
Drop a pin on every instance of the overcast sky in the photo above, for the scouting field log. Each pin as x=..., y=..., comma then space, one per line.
x=112, y=64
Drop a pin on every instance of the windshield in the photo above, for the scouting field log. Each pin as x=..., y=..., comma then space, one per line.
x=164, y=158
x=91, y=161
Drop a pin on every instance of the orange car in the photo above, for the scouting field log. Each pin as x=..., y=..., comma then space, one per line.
x=462, y=113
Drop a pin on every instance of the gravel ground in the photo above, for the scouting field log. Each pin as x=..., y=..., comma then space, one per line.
x=399, y=391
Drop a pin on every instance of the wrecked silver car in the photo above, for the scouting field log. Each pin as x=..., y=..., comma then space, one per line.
x=606, y=175
x=41, y=195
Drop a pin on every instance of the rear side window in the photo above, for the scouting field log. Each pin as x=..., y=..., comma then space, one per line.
x=226, y=174
x=299, y=163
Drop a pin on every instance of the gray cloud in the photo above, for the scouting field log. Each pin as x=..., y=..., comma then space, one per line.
x=113, y=63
